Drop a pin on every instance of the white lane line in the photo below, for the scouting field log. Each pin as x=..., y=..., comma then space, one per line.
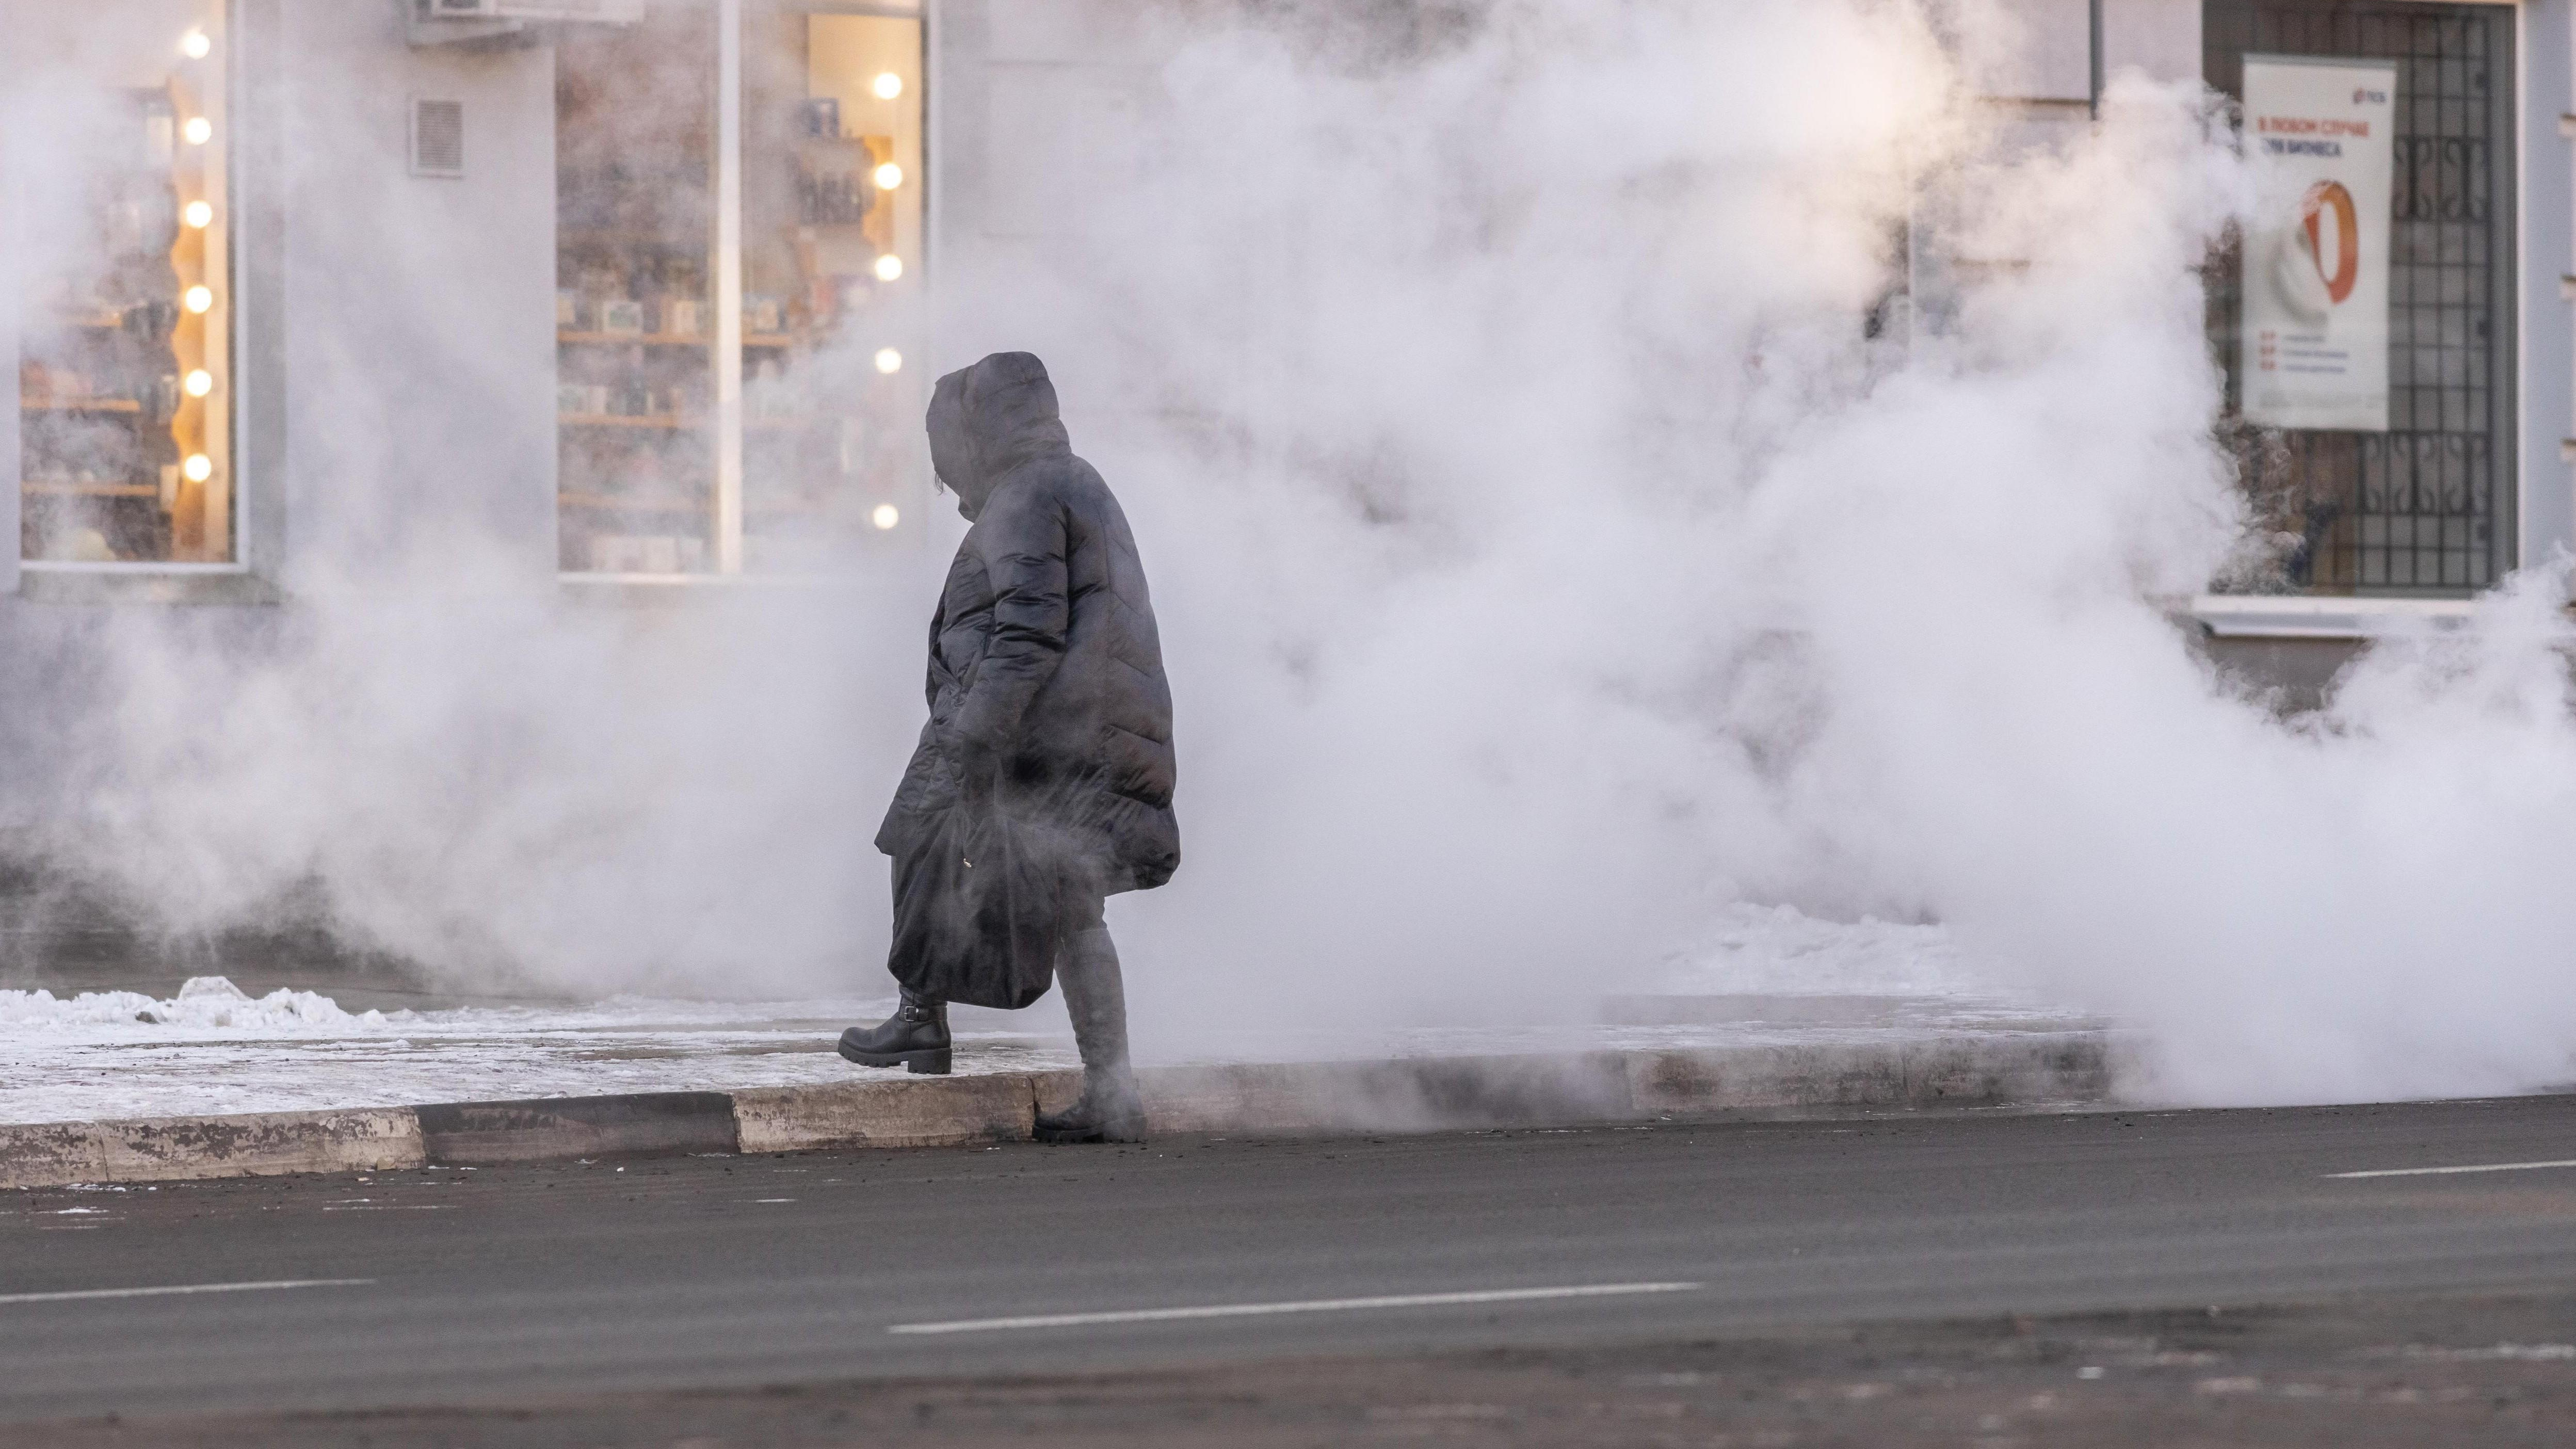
x=184, y=1288
x=2446, y=1171
x=1314, y=1305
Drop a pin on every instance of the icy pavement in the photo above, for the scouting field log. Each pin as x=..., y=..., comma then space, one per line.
x=213, y=1049
x=1766, y=975
x=1780, y=951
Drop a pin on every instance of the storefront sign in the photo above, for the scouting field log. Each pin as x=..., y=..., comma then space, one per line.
x=2315, y=334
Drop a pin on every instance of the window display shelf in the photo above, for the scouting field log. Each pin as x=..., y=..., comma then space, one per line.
x=80, y=405
x=53, y=488
x=632, y=339
x=773, y=340
x=799, y=508
x=627, y=236
x=663, y=423
x=635, y=503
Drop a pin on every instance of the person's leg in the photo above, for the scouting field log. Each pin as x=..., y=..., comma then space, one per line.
x=1095, y=997
x=915, y=1037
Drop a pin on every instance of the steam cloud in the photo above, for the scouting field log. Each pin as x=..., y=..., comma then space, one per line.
x=1546, y=557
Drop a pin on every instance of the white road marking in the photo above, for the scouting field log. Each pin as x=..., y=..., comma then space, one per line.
x=2445, y=1171
x=184, y=1288
x=1315, y=1305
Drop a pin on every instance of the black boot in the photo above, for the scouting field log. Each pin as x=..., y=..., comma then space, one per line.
x=914, y=1038
x=1109, y=1109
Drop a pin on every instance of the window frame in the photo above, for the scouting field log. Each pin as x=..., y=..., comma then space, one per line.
x=249, y=155
x=2545, y=189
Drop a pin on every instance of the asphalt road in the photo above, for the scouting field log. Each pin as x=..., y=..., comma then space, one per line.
x=489, y=1287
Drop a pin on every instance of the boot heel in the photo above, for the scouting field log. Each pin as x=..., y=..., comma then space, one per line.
x=927, y=1064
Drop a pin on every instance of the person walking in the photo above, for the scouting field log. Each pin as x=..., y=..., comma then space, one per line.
x=1047, y=760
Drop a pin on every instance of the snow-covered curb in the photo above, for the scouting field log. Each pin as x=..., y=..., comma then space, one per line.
x=1967, y=1069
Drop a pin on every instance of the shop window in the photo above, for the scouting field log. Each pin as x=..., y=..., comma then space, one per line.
x=2411, y=493
x=635, y=137
x=740, y=225
x=124, y=367
x=832, y=187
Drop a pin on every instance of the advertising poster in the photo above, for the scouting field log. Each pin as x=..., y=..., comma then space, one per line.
x=2315, y=338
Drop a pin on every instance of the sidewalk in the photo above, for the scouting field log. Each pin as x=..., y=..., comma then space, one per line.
x=215, y=1083
x=1764, y=976
x=123, y=1086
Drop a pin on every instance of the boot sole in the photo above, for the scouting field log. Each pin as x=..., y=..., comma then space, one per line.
x=930, y=1063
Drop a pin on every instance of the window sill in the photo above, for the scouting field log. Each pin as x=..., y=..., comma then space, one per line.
x=2291, y=616
x=72, y=583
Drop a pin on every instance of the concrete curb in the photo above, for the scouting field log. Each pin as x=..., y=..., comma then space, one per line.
x=1998, y=1069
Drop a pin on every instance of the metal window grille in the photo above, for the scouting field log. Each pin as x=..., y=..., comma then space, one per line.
x=2426, y=508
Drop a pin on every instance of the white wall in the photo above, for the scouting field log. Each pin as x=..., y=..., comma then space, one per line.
x=419, y=335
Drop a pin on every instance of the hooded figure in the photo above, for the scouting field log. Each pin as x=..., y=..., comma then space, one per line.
x=1048, y=712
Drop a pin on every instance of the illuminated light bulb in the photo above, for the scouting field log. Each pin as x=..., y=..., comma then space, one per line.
x=885, y=516
x=889, y=361
x=196, y=45
x=199, y=467
x=888, y=177
x=888, y=85
x=889, y=267
x=200, y=383
x=200, y=299
x=199, y=214
x=199, y=130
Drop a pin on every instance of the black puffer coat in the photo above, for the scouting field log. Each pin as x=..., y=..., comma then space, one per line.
x=1046, y=673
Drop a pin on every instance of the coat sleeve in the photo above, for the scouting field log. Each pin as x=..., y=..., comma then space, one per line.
x=1024, y=544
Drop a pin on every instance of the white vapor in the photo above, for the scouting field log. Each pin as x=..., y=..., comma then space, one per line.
x=1545, y=558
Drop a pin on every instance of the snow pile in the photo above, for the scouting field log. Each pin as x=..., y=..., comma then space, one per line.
x=1779, y=950
x=213, y=1004
x=206, y=1003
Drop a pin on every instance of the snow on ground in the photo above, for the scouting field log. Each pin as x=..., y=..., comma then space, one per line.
x=1778, y=950
x=213, y=1049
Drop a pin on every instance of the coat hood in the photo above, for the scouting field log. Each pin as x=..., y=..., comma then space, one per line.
x=987, y=420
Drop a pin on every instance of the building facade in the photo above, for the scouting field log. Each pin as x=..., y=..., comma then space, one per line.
x=666, y=269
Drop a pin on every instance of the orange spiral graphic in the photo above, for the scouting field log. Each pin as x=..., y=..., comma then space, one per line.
x=2347, y=269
